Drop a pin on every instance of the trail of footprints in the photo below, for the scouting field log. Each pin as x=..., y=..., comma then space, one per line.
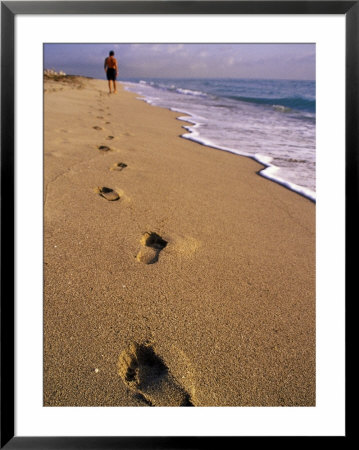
x=143, y=371
x=107, y=193
x=151, y=243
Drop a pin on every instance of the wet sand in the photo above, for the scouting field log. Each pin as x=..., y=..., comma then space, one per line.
x=175, y=275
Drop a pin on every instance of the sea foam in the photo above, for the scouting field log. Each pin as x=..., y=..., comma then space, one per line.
x=262, y=127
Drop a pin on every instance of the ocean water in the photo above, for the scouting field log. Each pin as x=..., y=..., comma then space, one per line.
x=272, y=121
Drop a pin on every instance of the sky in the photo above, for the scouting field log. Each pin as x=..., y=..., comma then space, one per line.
x=259, y=61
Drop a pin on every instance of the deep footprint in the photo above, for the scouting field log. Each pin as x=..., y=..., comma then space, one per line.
x=104, y=148
x=148, y=377
x=108, y=193
x=152, y=245
x=109, y=138
x=119, y=166
x=97, y=128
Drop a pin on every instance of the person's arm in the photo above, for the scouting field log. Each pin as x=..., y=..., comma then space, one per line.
x=105, y=65
x=116, y=68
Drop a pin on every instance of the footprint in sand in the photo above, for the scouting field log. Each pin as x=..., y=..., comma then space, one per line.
x=104, y=148
x=118, y=166
x=97, y=128
x=108, y=193
x=99, y=117
x=152, y=245
x=109, y=138
x=108, y=123
x=148, y=377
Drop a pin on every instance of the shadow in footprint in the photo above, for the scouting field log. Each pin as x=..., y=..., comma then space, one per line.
x=104, y=148
x=97, y=128
x=109, y=138
x=119, y=166
x=152, y=245
x=146, y=374
x=108, y=193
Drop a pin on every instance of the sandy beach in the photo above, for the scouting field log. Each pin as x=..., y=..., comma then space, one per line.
x=174, y=274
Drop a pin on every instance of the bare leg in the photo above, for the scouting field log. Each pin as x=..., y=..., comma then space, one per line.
x=114, y=86
x=109, y=86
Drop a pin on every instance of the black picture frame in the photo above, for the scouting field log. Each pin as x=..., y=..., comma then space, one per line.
x=9, y=9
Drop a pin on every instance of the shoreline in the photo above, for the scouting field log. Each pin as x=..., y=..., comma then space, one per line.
x=190, y=264
x=269, y=170
x=304, y=192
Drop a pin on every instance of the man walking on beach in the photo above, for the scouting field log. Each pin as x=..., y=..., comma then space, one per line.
x=111, y=69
